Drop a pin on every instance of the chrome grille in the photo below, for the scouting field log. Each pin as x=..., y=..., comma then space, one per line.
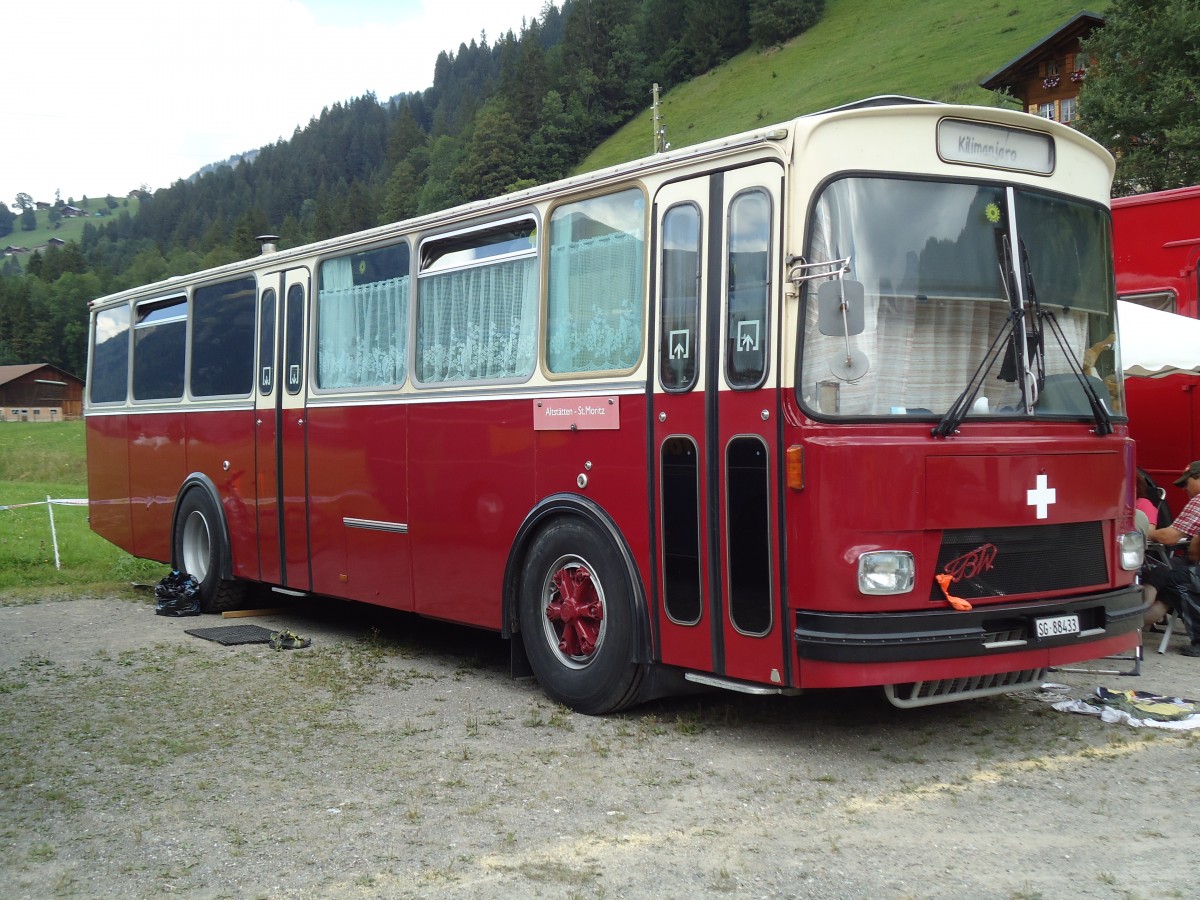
x=927, y=693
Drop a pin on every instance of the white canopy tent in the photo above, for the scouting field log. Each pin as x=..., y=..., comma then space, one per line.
x=1155, y=343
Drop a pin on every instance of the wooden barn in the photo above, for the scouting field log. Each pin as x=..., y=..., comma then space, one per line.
x=39, y=392
x=1046, y=78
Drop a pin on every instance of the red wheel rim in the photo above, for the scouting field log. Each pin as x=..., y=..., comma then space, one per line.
x=574, y=612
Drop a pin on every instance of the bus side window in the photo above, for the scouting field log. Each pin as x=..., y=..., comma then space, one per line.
x=222, y=360
x=266, y=344
x=596, y=302
x=679, y=351
x=476, y=315
x=362, y=319
x=293, y=364
x=159, y=349
x=749, y=285
x=110, y=356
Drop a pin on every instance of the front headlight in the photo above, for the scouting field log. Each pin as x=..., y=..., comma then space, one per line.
x=1133, y=550
x=886, y=572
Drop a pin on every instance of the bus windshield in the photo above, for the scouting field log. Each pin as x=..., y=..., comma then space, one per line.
x=952, y=275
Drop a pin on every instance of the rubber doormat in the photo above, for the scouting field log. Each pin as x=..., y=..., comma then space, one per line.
x=233, y=634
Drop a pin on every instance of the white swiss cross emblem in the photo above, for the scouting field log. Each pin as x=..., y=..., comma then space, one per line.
x=1041, y=497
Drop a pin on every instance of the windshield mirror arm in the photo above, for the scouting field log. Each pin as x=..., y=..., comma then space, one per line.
x=803, y=270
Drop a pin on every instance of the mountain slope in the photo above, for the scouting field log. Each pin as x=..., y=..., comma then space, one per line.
x=936, y=49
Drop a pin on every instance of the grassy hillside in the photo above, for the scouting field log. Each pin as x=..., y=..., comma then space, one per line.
x=935, y=49
x=68, y=229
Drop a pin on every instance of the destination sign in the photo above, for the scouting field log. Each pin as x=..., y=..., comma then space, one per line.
x=975, y=144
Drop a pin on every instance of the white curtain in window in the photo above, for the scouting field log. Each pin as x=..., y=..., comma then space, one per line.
x=361, y=330
x=922, y=354
x=477, y=323
x=595, y=311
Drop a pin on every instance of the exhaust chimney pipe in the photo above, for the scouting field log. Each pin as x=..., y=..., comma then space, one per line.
x=268, y=243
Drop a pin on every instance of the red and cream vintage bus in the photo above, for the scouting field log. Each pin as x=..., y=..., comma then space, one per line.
x=1156, y=242
x=801, y=408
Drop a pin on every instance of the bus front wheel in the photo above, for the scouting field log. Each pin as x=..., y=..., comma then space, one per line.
x=576, y=613
x=200, y=551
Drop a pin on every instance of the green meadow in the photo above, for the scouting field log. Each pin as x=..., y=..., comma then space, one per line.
x=40, y=460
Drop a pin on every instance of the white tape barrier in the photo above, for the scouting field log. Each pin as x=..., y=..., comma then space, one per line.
x=82, y=502
x=50, y=503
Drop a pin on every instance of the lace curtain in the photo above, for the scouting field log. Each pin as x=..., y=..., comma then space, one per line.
x=477, y=323
x=594, y=320
x=361, y=329
x=923, y=353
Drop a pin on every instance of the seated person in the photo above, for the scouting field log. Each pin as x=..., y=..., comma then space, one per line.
x=1175, y=581
x=1150, y=501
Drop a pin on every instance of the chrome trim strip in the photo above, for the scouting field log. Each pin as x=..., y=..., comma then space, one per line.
x=488, y=394
x=373, y=525
x=142, y=409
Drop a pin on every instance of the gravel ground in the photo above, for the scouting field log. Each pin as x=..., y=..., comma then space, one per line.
x=395, y=757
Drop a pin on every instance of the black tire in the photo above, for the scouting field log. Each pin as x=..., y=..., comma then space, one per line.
x=199, y=549
x=577, y=619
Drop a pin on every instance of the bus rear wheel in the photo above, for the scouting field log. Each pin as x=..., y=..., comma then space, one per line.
x=576, y=613
x=199, y=550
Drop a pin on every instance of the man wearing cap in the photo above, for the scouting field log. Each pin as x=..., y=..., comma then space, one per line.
x=1178, y=578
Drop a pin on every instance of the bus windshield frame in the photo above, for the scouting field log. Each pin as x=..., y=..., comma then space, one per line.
x=952, y=272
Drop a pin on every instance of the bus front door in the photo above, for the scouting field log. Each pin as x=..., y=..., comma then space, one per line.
x=283, y=537
x=715, y=425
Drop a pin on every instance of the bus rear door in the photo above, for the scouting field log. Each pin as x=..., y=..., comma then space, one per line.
x=715, y=428
x=283, y=537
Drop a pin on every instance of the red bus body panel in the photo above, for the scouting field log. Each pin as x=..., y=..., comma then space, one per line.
x=471, y=486
x=881, y=488
x=158, y=457
x=221, y=445
x=1164, y=419
x=357, y=470
x=1156, y=246
x=109, y=511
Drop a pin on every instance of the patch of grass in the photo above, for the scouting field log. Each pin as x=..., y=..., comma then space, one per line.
x=48, y=459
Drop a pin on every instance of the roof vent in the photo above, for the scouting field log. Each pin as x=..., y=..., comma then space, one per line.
x=268, y=243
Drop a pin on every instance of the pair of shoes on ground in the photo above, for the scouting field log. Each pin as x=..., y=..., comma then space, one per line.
x=1190, y=650
x=288, y=640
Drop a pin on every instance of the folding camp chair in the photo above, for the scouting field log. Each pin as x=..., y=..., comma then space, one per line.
x=1163, y=554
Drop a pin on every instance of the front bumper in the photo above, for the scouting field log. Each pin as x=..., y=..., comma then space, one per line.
x=887, y=637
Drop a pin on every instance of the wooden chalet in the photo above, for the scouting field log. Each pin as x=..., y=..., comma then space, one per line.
x=39, y=393
x=1046, y=78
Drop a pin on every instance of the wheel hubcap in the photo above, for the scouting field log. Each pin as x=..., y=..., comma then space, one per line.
x=574, y=620
x=197, y=546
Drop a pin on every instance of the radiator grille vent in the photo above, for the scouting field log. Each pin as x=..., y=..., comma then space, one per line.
x=1003, y=562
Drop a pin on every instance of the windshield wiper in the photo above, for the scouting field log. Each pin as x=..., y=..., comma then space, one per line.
x=1099, y=411
x=962, y=404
